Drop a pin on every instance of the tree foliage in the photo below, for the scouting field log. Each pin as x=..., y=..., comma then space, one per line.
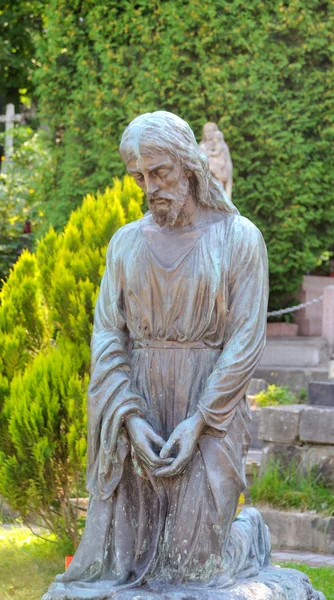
x=20, y=22
x=19, y=194
x=46, y=317
x=262, y=70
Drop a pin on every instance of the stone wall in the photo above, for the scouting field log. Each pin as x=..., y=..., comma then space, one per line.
x=301, y=433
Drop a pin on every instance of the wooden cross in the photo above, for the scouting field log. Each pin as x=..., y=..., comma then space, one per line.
x=9, y=119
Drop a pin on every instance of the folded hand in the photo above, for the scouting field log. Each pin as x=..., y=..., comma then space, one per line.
x=146, y=442
x=184, y=439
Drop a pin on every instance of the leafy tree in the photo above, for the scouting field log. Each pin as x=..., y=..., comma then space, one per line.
x=46, y=317
x=262, y=70
x=20, y=22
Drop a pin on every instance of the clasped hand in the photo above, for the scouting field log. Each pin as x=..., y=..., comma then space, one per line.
x=165, y=459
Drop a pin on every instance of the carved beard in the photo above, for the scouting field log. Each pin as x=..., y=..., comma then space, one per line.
x=176, y=204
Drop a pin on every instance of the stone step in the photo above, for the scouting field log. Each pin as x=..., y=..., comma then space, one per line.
x=305, y=531
x=312, y=559
x=295, y=352
x=297, y=424
x=295, y=378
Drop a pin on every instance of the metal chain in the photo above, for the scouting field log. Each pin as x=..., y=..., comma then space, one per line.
x=285, y=311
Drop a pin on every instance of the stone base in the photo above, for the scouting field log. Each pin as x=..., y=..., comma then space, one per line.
x=291, y=530
x=272, y=583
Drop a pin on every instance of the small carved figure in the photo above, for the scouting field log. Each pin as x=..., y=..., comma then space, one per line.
x=217, y=151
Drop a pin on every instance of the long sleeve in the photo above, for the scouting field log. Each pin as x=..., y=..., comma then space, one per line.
x=110, y=393
x=245, y=328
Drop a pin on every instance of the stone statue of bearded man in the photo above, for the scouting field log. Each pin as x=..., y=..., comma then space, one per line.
x=179, y=328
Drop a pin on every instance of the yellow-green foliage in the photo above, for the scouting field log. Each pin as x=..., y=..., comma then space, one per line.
x=46, y=317
x=275, y=395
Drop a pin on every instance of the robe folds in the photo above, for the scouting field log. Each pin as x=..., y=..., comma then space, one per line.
x=168, y=342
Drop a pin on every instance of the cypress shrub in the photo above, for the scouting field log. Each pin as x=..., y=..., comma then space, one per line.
x=260, y=69
x=46, y=317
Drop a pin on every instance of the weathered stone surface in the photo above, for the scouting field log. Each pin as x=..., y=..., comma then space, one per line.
x=273, y=583
x=321, y=393
x=295, y=351
x=285, y=454
x=256, y=386
x=317, y=425
x=253, y=428
x=280, y=423
x=318, y=458
x=295, y=378
x=299, y=531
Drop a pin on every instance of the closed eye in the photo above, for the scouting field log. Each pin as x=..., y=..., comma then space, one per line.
x=138, y=176
x=161, y=172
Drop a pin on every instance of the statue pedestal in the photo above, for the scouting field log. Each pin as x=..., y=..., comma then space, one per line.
x=272, y=583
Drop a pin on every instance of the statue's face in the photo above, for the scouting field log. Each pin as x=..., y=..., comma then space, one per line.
x=209, y=131
x=165, y=184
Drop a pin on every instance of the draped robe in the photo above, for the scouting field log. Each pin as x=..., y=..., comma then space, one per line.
x=168, y=341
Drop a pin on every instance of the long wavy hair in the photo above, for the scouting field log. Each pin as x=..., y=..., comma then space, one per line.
x=162, y=131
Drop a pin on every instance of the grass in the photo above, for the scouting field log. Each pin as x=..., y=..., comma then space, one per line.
x=286, y=488
x=29, y=564
x=322, y=578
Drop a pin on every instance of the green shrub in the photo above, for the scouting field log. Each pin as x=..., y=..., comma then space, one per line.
x=262, y=70
x=275, y=395
x=46, y=317
x=286, y=487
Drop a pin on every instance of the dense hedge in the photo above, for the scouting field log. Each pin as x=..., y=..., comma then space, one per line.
x=262, y=69
x=46, y=316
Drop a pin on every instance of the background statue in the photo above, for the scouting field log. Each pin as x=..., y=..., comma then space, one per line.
x=216, y=149
x=179, y=328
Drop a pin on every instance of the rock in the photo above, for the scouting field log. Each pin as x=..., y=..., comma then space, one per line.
x=280, y=423
x=321, y=393
x=273, y=583
x=317, y=425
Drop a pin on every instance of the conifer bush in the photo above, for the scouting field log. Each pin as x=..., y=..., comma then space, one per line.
x=46, y=317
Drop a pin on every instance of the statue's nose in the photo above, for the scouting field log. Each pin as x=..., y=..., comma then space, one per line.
x=151, y=185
